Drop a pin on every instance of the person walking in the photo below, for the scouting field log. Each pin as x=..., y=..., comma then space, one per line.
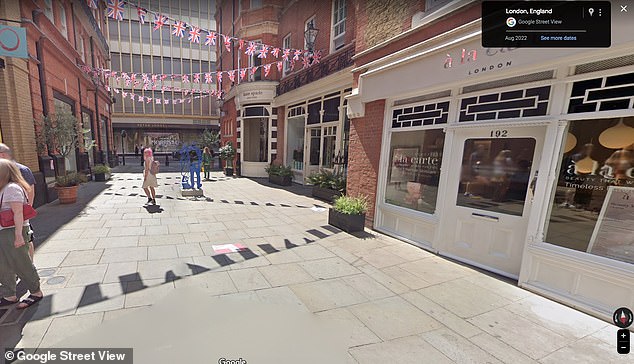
x=149, y=177
x=6, y=153
x=136, y=149
x=14, y=252
x=207, y=158
x=142, y=154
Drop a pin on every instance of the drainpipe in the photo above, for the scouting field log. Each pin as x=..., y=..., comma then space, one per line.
x=40, y=65
x=97, y=116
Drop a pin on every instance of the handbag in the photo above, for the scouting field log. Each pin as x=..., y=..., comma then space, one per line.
x=6, y=216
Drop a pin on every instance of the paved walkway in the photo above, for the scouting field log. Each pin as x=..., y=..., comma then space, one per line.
x=109, y=261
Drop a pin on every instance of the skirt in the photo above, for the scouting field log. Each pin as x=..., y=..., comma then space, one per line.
x=150, y=181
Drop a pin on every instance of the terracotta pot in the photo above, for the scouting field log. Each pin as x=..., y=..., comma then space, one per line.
x=67, y=195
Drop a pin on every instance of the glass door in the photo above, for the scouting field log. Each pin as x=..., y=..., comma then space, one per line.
x=313, y=151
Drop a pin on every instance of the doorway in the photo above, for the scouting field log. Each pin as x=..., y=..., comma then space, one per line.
x=489, y=196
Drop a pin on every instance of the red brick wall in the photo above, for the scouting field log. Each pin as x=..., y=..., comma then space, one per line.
x=229, y=121
x=364, y=153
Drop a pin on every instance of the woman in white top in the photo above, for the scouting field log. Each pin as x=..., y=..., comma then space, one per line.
x=149, y=179
x=14, y=252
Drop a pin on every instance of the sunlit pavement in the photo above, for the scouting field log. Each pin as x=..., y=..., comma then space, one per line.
x=112, y=256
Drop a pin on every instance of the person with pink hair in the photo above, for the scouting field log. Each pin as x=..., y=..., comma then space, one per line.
x=149, y=176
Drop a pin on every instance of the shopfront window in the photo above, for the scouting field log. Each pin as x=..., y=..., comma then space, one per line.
x=329, y=145
x=295, y=154
x=315, y=142
x=495, y=174
x=593, y=206
x=256, y=139
x=414, y=172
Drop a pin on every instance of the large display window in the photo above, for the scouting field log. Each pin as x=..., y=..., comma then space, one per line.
x=256, y=139
x=592, y=209
x=414, y=171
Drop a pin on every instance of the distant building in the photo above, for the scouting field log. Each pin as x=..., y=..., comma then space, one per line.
x=62, y=35
x=137, y=48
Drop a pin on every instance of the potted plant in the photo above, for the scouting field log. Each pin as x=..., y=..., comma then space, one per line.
x=328, y=185
x=280, y=175
x=227, y=152
x=102, y=172
x=60, y=133
x=348, y=213
x=67, y=186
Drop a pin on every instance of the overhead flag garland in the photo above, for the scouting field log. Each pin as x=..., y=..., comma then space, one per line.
x=116, y=9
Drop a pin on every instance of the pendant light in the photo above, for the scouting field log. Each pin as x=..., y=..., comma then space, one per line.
x=617, y=137
x=571, y=142
x=586, y=164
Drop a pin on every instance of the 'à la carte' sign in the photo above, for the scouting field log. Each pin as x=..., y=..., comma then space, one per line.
x=465, y=56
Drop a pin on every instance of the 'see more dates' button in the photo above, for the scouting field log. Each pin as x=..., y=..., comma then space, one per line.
x=558, y=38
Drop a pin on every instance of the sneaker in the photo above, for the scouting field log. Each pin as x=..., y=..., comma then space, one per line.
x=149, y=201
x=153, y=201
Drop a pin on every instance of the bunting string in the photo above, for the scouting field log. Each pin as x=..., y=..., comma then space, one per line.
x=182, y=29
x=157, y=100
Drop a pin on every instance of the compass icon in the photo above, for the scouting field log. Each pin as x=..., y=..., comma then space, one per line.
x=623, y=317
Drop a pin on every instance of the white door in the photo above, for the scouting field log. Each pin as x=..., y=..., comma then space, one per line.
x=312, y=151
x=489, y=195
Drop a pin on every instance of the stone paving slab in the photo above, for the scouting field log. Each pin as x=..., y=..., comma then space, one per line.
x=113, y=257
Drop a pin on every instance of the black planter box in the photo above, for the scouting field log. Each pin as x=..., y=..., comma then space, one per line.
x=228, y=171
x=345, y=222
x=102, y=177
x=325, y=194
x=281, y=180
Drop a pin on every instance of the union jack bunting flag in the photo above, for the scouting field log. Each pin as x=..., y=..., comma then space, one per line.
x=296, y=55
x=254, y=70
x=159, y=21
x=185, y=79
x=142, y=13
x=305, y=61
x=132, y=97
x=286, y=54
x=250, y=49
x=210, y=39
x=179, y=28
x=317, y=57
x=276, y=52
x=166, y=101
x=196, y=77
x=232, y=75
x=241, y=44
x=279, y=66
x=148, y=99
x=115, y=9
x=92, y=4
x=243, y=73
x=219, y=76
x=208, y=78
x=263, y=52
x=194, y=35
x=267, y=70
x=158, y=101
x=227, y=41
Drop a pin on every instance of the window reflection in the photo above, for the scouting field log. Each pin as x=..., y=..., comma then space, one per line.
x=591, y=209
x=495, y=174
x=414, y=171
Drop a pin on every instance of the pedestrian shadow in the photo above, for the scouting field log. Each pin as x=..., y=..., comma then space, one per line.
x=153, y=209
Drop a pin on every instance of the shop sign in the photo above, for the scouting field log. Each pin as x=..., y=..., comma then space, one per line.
x=469, y=57
x=162, y=142
x=252, y=95
x=612, y=235
x=13, y=42
x=410, y=164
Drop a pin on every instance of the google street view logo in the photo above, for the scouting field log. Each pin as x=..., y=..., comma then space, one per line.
x=510, y=22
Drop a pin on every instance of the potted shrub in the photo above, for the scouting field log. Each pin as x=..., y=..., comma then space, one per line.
x=227, y=152
x=348, y=213
x=280, y=175
x=67, y=185
x=102, y=172
x=327, y=185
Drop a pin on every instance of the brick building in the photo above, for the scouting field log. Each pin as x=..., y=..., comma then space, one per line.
x=61, y=36
x=509, y=159
x=295, y=117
